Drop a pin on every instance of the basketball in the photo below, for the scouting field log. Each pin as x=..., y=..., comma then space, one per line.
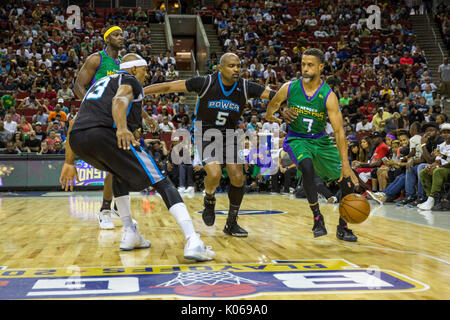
x=354, y=208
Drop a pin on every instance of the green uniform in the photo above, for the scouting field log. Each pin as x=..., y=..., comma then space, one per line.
x=107, y=67
x=306, y=135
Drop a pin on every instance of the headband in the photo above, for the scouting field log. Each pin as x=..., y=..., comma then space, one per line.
x=110, y=30
x=133, y=63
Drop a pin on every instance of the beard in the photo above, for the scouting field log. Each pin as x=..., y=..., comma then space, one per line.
x=308, y=78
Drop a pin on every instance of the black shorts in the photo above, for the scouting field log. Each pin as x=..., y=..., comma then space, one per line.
x=98, y=147
x=225, y=151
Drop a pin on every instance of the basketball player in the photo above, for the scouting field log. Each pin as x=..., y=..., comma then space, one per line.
x=102, y=136
x=98, y=65
x=220, y=104
x=307, y=143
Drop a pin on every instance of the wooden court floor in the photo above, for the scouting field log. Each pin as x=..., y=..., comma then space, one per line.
x=59, y=232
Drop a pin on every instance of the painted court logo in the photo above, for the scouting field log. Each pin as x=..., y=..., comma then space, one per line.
x=221, y=281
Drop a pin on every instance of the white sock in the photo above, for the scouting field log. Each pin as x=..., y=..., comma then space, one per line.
x=181, y=214
x=123, y=205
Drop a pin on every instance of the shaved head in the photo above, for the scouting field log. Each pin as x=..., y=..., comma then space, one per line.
x=226, y=57
x=131, y=57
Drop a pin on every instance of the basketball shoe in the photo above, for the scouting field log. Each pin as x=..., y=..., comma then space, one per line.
x=319, y=226
x=196, y=250
x=344, y=233
x=208, y=215
x=232, y=228
x=104, y=220
x=132, y=239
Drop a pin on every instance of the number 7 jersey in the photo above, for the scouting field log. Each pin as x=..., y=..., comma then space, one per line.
x=311, y=110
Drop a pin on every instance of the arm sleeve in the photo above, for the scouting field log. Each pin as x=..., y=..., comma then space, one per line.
x=134, y=83
x=255, y=90
x=196, y=84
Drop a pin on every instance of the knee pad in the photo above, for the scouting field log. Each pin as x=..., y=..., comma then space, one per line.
x=168, y=192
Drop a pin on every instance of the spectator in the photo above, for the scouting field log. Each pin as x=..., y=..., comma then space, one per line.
x=9, y=124
x=406, y=59
x=5, y=135
x=51, y=139
x=24, y=126
x=444, y=76
x=18, y=141
x=10, y=149
x=8, y=101
x=166, y=126
x=32, y=144
x=171, y=74
x=437, y=173
x=65, y=93
x=45, y=149
x=364, y=126
x=379, y=119
x=58, y=148
x=40, y=116
x=429, y=141
x=40, y=134
x=52, y=115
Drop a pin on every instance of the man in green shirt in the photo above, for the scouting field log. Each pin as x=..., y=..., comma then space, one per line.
x=310, y=99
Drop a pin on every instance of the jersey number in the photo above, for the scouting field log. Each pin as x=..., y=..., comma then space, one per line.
x=310, y=123
x=98, y=89
x=222, y=118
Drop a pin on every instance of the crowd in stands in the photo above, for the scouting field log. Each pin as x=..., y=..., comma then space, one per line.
x=385, y=89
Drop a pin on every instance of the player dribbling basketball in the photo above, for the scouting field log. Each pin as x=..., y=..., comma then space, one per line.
x=309, y=100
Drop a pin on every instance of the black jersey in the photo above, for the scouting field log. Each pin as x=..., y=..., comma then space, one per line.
x=219, y=106
x=96, y=107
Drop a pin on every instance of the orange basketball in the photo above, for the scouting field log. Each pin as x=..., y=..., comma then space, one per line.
x=354, y=208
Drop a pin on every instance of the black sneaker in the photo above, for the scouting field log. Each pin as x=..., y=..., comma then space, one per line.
x=319, y=227
x=418, y=201
x=233, y=229
x=208, y=215
x=345, y=234
x=407, y=200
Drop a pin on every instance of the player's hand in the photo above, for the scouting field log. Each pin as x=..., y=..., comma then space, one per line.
x=125, y=138
x=289, y=115
x=347, y=172
x=68, y=175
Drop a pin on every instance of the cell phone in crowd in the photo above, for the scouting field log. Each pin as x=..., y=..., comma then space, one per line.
x=385, y=159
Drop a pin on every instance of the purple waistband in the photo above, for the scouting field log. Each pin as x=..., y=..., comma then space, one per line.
x=309, y=136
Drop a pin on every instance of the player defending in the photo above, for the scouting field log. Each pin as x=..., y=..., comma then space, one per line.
x=102, y=136
x=98, y=65
x=309, y=100
x=227, y=90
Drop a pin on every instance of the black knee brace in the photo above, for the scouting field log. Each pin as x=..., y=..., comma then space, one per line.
x=168, y=192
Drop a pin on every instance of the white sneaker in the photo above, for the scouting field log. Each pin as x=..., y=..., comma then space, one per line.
x=190, y=189
x=132, y=239
x=427, y=205
x=181, y=189
x=374, y=197
x=104, y=220
x=195, y=249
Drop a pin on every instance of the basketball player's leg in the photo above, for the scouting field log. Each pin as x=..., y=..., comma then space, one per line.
x=135, y=170
x=328, y=165
x=235, y=195
x=104, y=216
x=301, y=152
x=212, y=179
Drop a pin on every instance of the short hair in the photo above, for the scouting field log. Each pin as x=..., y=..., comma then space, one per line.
x=316, y=53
